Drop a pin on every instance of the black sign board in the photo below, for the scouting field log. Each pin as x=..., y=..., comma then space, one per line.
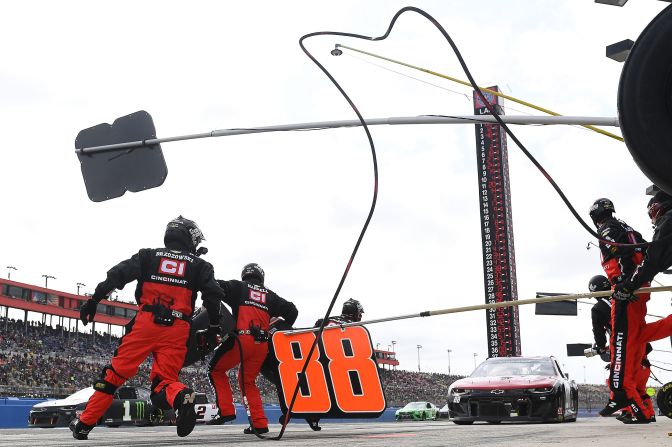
x=109, y=174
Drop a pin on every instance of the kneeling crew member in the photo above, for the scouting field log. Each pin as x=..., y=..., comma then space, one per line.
x=253, y=306
x=168, y=281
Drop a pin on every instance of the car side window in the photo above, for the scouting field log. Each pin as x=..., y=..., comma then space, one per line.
x=126, y=393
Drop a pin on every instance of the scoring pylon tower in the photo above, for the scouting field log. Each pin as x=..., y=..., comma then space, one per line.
x=499, y=261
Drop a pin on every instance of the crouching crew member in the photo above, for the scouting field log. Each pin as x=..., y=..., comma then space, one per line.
x=168, y=281
x=253, y=306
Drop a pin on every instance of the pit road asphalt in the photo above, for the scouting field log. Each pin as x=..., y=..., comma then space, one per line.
x=594, y=432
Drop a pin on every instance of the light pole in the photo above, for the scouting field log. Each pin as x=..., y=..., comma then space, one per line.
x=449, y=351
x=9, y=271
x=395, y=353
x=419, y=347
x=475, y=354
x=393, y=343
x=377, y=344
x=584, y=374
x=46, y=279
x=80, y=284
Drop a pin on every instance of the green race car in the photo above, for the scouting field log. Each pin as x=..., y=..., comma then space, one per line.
x=417, y=411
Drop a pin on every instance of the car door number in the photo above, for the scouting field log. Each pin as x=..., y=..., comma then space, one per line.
x=456, y=399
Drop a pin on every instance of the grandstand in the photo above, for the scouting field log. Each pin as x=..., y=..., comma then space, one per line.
x=38, y=359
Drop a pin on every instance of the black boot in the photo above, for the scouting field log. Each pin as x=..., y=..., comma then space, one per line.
x=80, y=430
x=186, y=415
x=314, y=424
x=625, y=416
x=219, y=420
x=639, y=421
x=614, y=405
x=250, y=431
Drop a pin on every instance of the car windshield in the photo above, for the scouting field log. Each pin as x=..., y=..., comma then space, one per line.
x=416, y=406
x=81, y=395
x=526, y=367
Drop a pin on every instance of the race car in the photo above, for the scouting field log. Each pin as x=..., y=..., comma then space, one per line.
x=131, y=406
x=514, y=389
x=443, y=412
x=418, y=411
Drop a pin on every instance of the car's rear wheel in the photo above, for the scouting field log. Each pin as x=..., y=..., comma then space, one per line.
x=664, y=399
x=423, y=416
x=463, y=422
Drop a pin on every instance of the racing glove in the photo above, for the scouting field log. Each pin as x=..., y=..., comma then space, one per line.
x=208, y=339
x=603, y=352
x=88, y=311
x=623, y=292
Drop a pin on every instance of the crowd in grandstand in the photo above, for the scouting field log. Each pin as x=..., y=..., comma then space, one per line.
x=38, y=360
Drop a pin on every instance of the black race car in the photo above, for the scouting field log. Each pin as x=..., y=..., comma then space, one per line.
x=131, y=405
x=514, y=389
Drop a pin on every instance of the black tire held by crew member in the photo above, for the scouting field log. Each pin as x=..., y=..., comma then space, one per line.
x=645, y=100
x=200, y=321
x=664, y=399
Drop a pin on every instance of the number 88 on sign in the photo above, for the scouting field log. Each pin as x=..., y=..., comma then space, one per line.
x=342, y=379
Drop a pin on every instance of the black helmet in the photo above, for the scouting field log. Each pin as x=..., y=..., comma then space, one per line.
x=184, y=232
x=253, y=270
x=659, y=205
x=600, y=209
x=353, y=309
x=599, y=283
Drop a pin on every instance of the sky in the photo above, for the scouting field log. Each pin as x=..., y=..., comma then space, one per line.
x=295, y=202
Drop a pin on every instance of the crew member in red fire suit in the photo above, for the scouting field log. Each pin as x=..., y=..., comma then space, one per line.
x=253, y=306
x=601, y=318
x=657, y=258
x=627, y=321
x=168, y=281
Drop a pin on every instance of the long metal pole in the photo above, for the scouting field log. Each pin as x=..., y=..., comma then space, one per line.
x=393, y=121
x=454, y=310
x=468, y=84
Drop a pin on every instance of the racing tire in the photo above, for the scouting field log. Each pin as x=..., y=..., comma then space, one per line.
x=664, y=400
x=423, y=416
x=463, y=422
x=560, y=407
x=645, y=100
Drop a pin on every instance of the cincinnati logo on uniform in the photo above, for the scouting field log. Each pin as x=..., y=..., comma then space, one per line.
x=172, y=267
x=618, y=359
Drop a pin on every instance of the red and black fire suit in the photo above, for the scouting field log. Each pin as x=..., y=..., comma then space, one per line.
x=168, y=282
x=630, y=332
x=601, y=318
x=253, y=306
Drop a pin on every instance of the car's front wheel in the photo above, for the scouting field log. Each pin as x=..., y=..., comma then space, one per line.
x=560, y=408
